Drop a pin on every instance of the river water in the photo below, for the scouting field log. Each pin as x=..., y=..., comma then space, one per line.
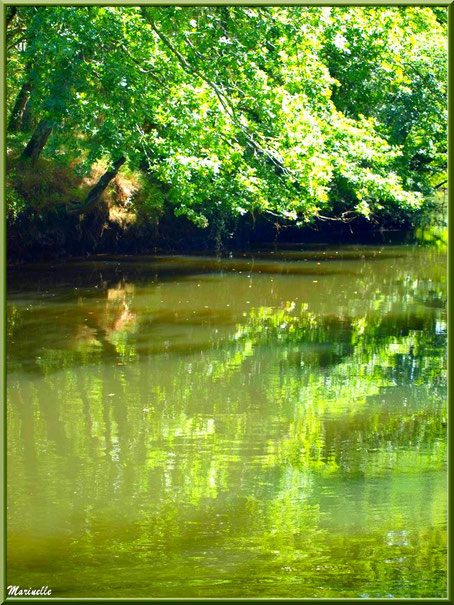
x=267, y=425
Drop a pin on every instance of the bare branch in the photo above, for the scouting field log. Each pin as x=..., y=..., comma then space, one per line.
x=343, y=218
x=441, y=184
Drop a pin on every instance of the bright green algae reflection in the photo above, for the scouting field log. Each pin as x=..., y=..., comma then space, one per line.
x=272, y=425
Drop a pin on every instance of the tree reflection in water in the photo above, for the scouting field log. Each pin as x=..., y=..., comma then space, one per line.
x=199, y=427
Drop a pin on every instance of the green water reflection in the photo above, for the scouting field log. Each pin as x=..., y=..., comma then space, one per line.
x=272, y=425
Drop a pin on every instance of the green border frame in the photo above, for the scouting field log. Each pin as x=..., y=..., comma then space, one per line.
x=450, y=186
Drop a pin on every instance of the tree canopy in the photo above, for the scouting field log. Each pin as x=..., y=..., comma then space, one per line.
x=300, y=112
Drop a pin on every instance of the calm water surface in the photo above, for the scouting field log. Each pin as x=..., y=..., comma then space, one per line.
x=272, y=425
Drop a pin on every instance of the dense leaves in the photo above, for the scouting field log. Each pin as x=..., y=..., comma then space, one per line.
x=299, y=112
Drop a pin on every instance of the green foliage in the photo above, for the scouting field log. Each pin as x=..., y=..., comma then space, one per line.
x=394, y=69
x=295, y=111
x=148, y=198
x=15, y=203
x=433, y=235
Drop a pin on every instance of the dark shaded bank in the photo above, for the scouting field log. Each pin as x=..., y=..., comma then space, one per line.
x=58, y=235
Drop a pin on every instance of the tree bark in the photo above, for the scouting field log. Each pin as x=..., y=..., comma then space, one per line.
x=95, y=193
x=28, y=120
x=16, y=119
x=37, y=142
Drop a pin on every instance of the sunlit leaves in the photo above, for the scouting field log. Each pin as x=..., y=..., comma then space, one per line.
x=282, y=110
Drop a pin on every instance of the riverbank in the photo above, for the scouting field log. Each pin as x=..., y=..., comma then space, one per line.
x=134, y=216
x=31, y=245
x=40, y=228
x=58, y=236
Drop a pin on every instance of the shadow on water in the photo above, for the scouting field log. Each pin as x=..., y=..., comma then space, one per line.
x=111, y=268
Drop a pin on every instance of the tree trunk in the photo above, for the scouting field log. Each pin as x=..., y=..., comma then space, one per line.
x=15, y=121
x=37, y=142
x=95, y=193
x=27, y=118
